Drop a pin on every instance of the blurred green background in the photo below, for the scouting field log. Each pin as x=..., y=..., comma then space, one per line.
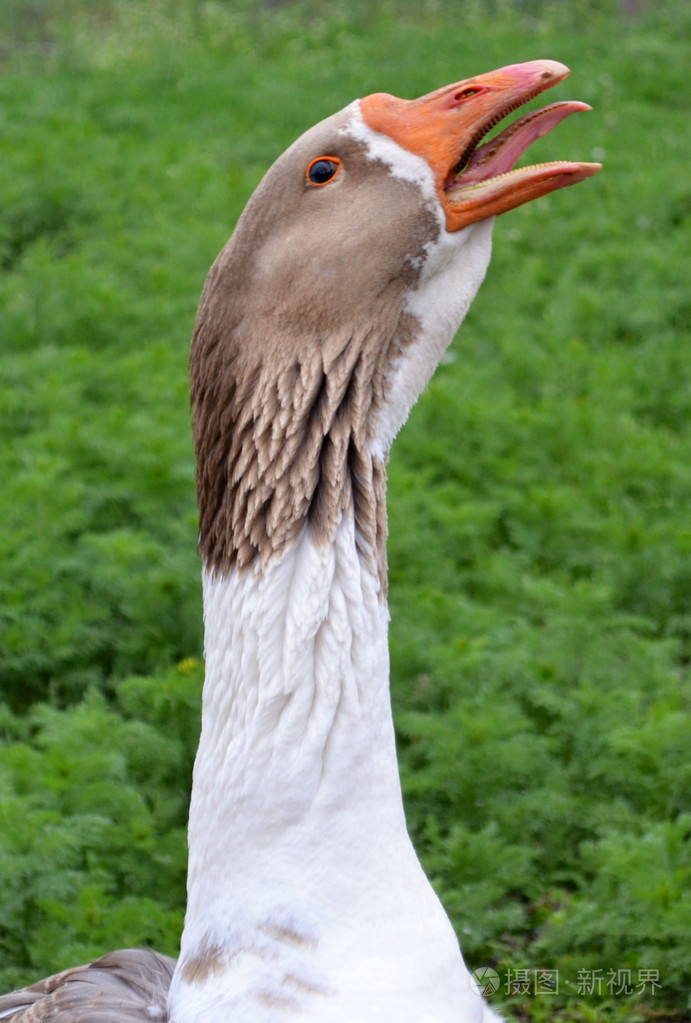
x=540, y=539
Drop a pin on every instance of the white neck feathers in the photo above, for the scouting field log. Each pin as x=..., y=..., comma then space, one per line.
x=296, y=654
x=305, y=895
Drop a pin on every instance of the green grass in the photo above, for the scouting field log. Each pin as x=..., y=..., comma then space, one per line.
x=540, y=548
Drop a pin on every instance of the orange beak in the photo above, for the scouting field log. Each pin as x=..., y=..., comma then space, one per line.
x=475, y=181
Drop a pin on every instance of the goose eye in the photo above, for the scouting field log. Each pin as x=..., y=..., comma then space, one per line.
x=323, y=170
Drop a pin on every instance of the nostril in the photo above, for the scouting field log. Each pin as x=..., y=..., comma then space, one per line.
x=463, y=94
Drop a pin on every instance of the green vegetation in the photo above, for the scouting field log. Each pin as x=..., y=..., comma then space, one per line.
x=540, y=546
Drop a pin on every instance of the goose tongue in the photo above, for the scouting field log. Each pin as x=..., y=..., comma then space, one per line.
x=500, y=154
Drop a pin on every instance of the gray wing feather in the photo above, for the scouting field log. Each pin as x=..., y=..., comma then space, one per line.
x=130, y=986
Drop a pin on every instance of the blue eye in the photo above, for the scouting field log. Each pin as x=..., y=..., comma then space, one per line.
x=323, y=170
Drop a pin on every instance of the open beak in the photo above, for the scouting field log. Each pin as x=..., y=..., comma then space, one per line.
x=446, y=127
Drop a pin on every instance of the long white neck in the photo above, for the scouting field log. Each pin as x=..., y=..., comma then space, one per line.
x=296, y=729
x=304, y=893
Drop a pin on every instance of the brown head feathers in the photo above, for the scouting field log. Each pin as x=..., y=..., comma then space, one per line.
x=300, y=319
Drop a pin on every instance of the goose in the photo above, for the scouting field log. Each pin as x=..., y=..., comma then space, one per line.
x=320, y=323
